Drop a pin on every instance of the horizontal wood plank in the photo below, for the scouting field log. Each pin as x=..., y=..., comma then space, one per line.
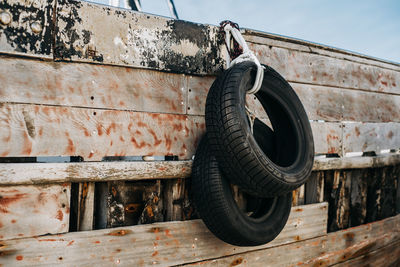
x=327, y=137
x=48, y=173
x=33, y=130
x=39, y=173
x=155, y=244
x=322, y=251
x=90, y=85
x=89, y=32
x=29, y=31
x=370, y=136
x=33, y=210
x=309, y=68
x=270, y=39
x=386, y=256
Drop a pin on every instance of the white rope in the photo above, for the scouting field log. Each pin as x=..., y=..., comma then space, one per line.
x=247, y=55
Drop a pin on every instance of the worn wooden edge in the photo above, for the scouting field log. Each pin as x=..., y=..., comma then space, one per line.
x=389, y=159
x=267, y=38
x=327, y=250
x=167, y=243
x=39, y=173
x=43, y=173
x=386, y=256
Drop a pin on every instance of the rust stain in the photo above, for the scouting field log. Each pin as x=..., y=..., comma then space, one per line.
x=149, y=211
x=135, y=143
x=155, y=253
x=121, y=139
x=70, y=243
x=236, y=261
x=19, y=257
x=97, y=242
x=113, y=127
x=47, y=240
x=142, y=124
x=59, y=215
x=6, y=201
x=299, y=209
x=357, y=131
x=157, y=141
x=113, y=191
x=120, y=232
x=390, y=135
x=297, y=238
x=12, y=221
x=27, y=145
x=168, y=233
x=99, y=129
x=384, y=83
x=138, y=132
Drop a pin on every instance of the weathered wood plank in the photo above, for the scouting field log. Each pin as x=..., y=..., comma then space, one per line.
x=270, y=39
x=367, y=137
x=327, y=137
x=39, y=173
x=27, y=211
x=314, y=188
x=33, y=130
x=94, y=33
x=322, y=251
x=91, y=85
x=42, y=173
x=356, y=162
x=85, y=214
x=29, y=29
x=302, y=67
x=385, y=256
x=156, y=244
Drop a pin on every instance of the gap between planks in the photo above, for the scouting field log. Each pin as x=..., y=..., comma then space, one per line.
x=44, y=173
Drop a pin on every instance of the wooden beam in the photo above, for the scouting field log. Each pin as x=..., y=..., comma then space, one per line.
x=39, y=173
x=91, y=85
x=43, y=173
x=370, y=136
x=38, y=130
x=327, y=250
x=33, y=210
x=168, y=243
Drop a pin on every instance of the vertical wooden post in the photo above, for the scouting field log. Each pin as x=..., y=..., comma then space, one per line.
x=174, y=193
x=397, y=175
x=358, y=196
x=314, y=188
x=85, y=206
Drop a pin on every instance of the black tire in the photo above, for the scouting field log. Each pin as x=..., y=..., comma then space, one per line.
x=213, y=198
x=241, y=159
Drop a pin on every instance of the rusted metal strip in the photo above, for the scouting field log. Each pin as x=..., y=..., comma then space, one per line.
x=33, y=210
x=168, y=243
x=94, y=33
x=26, y=27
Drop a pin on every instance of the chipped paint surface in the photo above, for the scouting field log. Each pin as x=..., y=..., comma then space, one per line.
x=94, y=33
x=30, y=29
x=33, y=210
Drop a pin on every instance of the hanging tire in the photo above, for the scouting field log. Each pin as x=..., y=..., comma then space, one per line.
x=239, y=155
x=261, y=222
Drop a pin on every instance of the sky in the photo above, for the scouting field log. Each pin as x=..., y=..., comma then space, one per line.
x=367, y=27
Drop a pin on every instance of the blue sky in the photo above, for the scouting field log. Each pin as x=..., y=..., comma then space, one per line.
x=367, y=27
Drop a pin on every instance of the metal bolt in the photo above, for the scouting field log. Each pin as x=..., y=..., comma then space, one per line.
x=5, y=18
x=36, y=27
